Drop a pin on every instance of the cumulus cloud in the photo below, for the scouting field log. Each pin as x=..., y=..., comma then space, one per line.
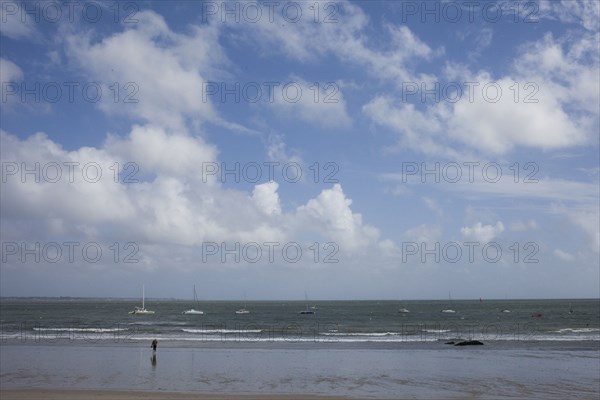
x=482, y=233
x=154, y=148
x=266, y=198
x=172, y=89
x=549, y=101
x=330, y=214
x=164, y=201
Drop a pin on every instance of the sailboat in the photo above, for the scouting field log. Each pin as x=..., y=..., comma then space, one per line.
x=571, y=309
x=191, y=310
x=450, y=310
x=142, y=309
x=243, y=310
x=307, y=310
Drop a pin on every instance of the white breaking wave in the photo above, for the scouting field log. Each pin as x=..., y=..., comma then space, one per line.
x=577, y=330
x=93, y=330
x=216, y=331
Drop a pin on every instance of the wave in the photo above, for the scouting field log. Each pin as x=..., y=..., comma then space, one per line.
x=361, y=334
x=93, y=330
x=347, y=338
x=217, y=331
x=577, y=330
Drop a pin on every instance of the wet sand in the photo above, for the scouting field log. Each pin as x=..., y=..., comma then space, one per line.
x=496, y=370
x=39, y=394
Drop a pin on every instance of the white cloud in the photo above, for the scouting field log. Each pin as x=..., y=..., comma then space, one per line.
x=423, y=234
x=519, y=226
x=589, y=221
x=9, y=71
x=418, y=131
x=346, y=39
x=583, y=12
x=555, y=106
x=266, y=198
x=15, y=22
x=433, y=205
x=330, y=214
x=276, y=150
x=166, y=80
x=563, y=255
x=323, y=106
x=154, y=149
x=482, y=233
x=170, y=204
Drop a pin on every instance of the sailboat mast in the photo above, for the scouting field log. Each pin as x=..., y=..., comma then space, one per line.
x=143, y=296
x=306, y=299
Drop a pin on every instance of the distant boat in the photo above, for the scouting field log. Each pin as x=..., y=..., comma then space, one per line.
x=242, y=311
x=571, y=309
x=403, y=311
x=451, y=309
x=505, y=310
x=142, y=309
x=193, y=311
x=307, y=310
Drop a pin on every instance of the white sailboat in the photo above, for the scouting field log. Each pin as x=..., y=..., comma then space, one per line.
x=193, y=311
x=142, y=309
x=307, y=310
x=243, y=310
x=451, y=309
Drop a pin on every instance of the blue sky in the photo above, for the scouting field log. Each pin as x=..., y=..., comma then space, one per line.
x=369, y=94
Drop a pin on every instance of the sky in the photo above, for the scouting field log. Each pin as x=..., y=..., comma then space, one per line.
x=346, y=150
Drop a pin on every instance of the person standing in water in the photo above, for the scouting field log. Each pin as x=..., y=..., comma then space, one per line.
x=154, y=345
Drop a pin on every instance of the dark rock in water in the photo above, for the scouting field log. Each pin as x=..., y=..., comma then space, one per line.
x=469, y=343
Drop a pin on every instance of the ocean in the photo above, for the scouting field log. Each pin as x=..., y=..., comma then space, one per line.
x=541, y=349
x=99, y=320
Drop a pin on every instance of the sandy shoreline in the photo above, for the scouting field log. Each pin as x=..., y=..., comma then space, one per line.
x=43, y=394
x=130, y=373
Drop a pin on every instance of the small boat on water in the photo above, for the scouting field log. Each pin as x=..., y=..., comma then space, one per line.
x=193, y=311
x=403, y=311
x=451, y=309
x=142, y=309
x=307, y=310
x=243, y=310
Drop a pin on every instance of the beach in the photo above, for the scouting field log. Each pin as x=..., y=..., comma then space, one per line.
x=424, y=371
x=130, y=395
